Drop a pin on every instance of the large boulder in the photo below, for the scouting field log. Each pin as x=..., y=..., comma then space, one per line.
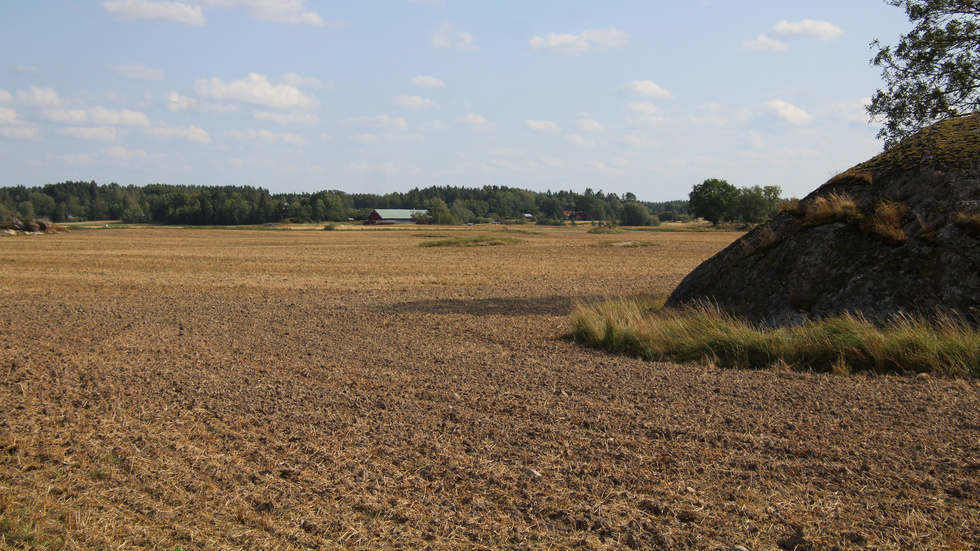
x=897, y=234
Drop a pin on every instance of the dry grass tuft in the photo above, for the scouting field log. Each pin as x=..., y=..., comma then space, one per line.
x=833, y=207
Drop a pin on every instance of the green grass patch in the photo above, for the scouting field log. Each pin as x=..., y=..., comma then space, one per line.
x=473, y=241
x=844, y=344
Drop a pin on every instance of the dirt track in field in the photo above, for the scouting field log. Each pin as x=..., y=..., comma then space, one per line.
x=197, y=389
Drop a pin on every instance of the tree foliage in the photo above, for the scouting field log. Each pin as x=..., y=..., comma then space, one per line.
x=716, y=201
x=232, y=205
x=934, y=71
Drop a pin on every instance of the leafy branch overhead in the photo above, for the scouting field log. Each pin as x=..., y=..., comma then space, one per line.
x=933, y=73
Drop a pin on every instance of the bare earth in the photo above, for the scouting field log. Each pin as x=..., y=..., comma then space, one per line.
x=199, y=389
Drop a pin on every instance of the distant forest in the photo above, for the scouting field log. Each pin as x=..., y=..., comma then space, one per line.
x=234, y=205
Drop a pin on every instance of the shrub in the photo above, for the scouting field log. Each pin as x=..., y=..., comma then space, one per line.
x=886, y=222
x=330, y=226
x=474, y=241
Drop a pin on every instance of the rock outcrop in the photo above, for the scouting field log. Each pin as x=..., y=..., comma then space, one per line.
x=899, y=233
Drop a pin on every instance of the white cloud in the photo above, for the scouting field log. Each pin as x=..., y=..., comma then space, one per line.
x=642, y=142
x=80, y=159
x=39, y=97
x=475, y=122
x=175, y=12
x=264, y=136
x=601, y=167
x=8, y=116
x=121, y=117
x=138, y=71
x=647, y=88
x=542, y=126
x=413, y=103
x=621, y=163
x=431, y=83
x=709, y=160
x=764, y=43
x=364, y=139
x=551, y=161
x=446, y=36
x=178, y=133
x=65, y=116
x=380, y=121
x=298, y=80
x=384, y=168
x=100, y=133
x=588, y=125
x=178, y=103
x=579, y=140
x=435, y=124
x=586, y=41
x=6, y=97
x=790, y=113
x=26, y=70
x=276, y=11
x=21, y=132
x=756, y=140
x=649, y=114
x=254, y=89
x=285, y=118
x=123, y=154
x=808, y=28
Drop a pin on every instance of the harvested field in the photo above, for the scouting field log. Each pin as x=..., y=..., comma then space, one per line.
x=230, y=389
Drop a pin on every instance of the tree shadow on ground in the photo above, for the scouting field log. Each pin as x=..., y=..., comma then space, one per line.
x=505, y=306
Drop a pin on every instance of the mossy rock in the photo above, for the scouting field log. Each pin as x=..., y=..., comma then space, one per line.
x=895, y=234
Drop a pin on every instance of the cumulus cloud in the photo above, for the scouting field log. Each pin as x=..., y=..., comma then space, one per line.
x=292, y=12
x=786, y=30
x=100, y=133
x=8, y=116
x=588, y=125
x=586, y=41
x=39, y=97
x=264, y=136
x=20, y=132
x=642, y=142
x=542, y=126
x=446, y=36
x=174, y=12
x=646, y=114
x=120, y=117
x=380, y=121
x=764, y=43
x=6, y=97
x=123, y=154
x=808, y=28
x=601, y=167
x=178, y=133
x=551, y=161
x=646, y=88
x=138, y=71
x=577, y=139
x=298, y=80
x=789, y=113
x=475, y=122
x=254, y=89
x=178, y=103
x=413, y=103
x=431, y=83
x=285, y=118
x=364, y=139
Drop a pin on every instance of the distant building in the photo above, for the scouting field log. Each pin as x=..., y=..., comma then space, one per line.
x=394, y=216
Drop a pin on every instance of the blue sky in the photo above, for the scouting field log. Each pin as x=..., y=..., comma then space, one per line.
x=641, y=96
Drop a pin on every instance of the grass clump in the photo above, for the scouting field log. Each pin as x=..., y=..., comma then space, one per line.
x=834, y=207
x=605, y=227
x=473, y=241
x=886, y=222
x=839, y=345
x=623, y=244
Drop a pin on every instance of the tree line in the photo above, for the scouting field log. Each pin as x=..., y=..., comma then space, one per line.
x=234, y=205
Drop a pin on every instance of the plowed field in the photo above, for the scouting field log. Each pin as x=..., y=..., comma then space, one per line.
x=238, y=389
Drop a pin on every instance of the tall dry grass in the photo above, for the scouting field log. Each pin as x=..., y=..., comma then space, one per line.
x=847, y=343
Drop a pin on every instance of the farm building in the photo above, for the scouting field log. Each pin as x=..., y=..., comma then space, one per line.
x=394, y=216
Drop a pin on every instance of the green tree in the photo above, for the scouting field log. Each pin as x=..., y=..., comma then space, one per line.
x=439, y=212
x=713, y=200
x=934, y=71
x=636, y=214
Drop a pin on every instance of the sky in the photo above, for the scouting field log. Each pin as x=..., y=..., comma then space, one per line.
x=649, y=97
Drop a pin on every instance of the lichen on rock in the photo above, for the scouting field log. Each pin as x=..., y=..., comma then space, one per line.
x=897, y=234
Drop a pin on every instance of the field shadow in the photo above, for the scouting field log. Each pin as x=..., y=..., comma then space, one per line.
x=507, y=306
